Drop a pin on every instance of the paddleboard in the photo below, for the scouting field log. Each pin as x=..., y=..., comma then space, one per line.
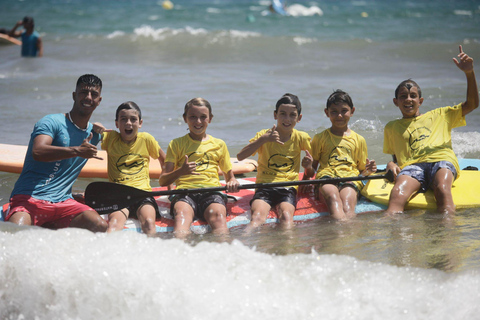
x=308, y=208
x=464, y=190
x=12, y=157
x=5, y=39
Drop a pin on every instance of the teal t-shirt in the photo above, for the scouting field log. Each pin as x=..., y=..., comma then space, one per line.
x=29, y=44
x=52, y=181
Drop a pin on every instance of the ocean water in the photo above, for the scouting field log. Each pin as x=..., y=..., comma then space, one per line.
x=419, y=266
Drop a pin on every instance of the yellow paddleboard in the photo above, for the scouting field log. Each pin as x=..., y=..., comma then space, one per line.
x=12, y=157
x=465, y=192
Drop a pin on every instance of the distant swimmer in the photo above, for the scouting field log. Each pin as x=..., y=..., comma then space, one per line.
x=31, y=42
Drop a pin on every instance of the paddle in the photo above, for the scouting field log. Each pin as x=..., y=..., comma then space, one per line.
x=106, y=197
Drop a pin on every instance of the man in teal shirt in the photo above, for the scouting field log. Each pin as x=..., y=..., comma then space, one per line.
x=59, y=147
x=31, y=42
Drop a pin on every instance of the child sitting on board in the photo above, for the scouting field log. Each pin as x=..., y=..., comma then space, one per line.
x=421, y=144
x=129, y=153
x=192, y=162
x=279, y=151
x=341, y=152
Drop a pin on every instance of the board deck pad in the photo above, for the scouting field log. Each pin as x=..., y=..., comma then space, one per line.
x=464, y=190
x=308, y=208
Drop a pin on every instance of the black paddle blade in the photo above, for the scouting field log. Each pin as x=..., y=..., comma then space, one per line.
x=389, y=176
x=107, y=197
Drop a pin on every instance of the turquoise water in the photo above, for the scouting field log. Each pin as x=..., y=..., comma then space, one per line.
x=417, y=267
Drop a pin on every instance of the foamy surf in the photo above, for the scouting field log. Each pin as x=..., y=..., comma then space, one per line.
x=74, y=274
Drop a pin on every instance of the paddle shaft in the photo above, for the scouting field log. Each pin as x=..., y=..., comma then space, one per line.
x=268, y=185
x=106, y=197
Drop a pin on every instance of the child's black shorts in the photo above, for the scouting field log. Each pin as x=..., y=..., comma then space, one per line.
x=147, y=201
x=275, y=196
x=199, y=202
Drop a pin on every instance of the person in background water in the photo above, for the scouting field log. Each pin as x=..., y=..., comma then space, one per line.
x=32, y=45
x=59, y=147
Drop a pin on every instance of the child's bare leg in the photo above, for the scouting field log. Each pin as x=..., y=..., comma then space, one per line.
x=442, y=188
x=116, y=220
x=286, y=211
x=146, y=215
x=403, y=189
x=333, y=200
x=349, y=198
x=183, y=218
x=216, y=216
x=260, y=210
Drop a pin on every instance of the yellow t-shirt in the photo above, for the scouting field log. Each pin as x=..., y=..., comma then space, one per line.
x=278, y=162
x=339, y=156
x=426, y=138
x=129, y=163
x=209, y=156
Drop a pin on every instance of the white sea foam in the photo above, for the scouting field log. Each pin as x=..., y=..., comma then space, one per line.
x=301, y=40
x=463, y=12
x=466, y=144
x=149, y=32
x=74, y=274
x=298, y=10
x=373, y=125
x=163, y=33
x=214, y=10
x=115, y=34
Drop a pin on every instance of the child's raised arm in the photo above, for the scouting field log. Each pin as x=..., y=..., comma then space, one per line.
x=169, y=175
x=370, y=167
x=465, y=63
x=309, y=165
x=270, y=136
x=161, y=160
x=100, y=128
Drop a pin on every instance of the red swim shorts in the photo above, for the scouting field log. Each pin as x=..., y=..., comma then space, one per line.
x=45, y=213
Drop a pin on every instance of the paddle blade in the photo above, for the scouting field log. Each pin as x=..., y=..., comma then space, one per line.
x=107, y=197
x=389, y=176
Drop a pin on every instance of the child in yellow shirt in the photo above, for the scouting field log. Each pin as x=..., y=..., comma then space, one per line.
x=129, y=153
x=341, y=152
x=279, y=151
x=421, y=144
x=192, y=162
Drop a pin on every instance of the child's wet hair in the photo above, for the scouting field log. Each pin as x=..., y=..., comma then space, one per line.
x=128, y=106
x=409, y=83
x=199, y=102
x=289, y=98
x=339, y=96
